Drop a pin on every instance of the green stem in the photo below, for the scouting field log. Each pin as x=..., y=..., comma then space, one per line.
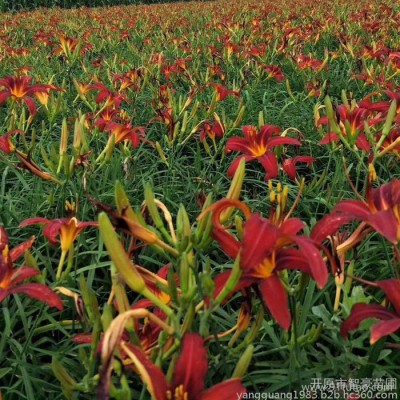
x=157, y=302
x=55, y=325
x=70, y=263
x=60, y=265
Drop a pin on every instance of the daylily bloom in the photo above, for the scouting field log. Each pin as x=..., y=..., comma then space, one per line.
x=147, y=333
x=313, y=88
x=390, y=320
x=351, y=125
x=82, y=88
x=123, y=132
x=230, y=47
x=188, y=377
x=180, y=63
x=372, y=77
x=66, y=46
x=110, y=98
x=257, y=145
x=373, y=52
x=394, y=60
x=167, y=70
x=67, y=229
x=166, y=117
x=164, y=96
x=43, y=38
x=106, y=116
x=6, y=146
x=384, y=106
x=178, y=67
x=43, y=97
x=11, y=276
x=304, y=61
x=215, y=69
x=19, y=88
x=381, y=211
x=151, y=279
x=129, y=79
x=274, y=71
x=266, y=249
x=391, y=143
x=289, y=164
x=17, y=52
x=27, y=163
x=257, y=51
x=157, y=58
x=23, y=70
x=223, y=92
x=211, y=129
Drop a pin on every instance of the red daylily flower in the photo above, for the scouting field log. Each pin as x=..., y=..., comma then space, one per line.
x=67, y=229
x=371, y=77
x=215, y=69
x=66, y=46
x=97, y=63
x=313, y=88
x=129, y=79
x=124, y=132
x=289, y=164
x=178, y=67
x=257, y=51
x=6, y=146
x=23, y=70
x=188, y=378
x=257, y=145
x=383, y=106
x=274, y=72
x=390, y=320
x=17, y=52
x=19, y=88
x=164, y=95
x=167, y=70
x=43, y=97
x=27, y=163
x=43, y=38
x=394, y=60
x=351, y=125
x=157, y=58
x=231, y=48
x=180, y=63
x=107, y=116
x=265, y=249
x=304, y=61
x=223, y=92
x=151, y=280
x=147, y=332
x=211, y=129
x=391, y=143
x=11, y=277
x=381, y=211
x=109, y=97
x=373, y=52
x=82, y=88
x=166, y=117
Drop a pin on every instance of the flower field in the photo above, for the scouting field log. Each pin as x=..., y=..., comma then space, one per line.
x=200, y=201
